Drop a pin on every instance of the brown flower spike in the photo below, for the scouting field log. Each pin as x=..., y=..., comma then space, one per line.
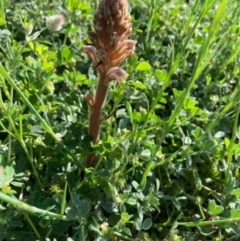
x=111, y=46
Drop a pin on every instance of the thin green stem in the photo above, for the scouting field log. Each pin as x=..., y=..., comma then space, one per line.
x=9, y=127
x=208, y=223
x=124, y=237
x=30, y=209
x=49, y=232
x=63, y=205
x=32, y=226
x=234, y=131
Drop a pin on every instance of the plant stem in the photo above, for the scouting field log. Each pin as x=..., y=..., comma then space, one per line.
x=96, y=114
x=96, y=111
x=32, y=226
x=208, y=223
x=30, y=209
x=124, y=236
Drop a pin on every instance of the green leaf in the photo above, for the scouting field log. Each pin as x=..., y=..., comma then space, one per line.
x=236, y=192
x=227, y=142
x=114, y=219
x=138, y=85
x=147, y=224
x=9, y=171
x=33, y=36
x=129, y=110
x=189, y=103
x=110, y=207
x=143, y=66
x=4, y=179
x=135, y=185
x=17, y=184
x=71, y=213
x=75, y=199
x=111, y=187
x=125, y=216
x=198, y=132
x=137, y=116
x=59, y=227
x=4, y=33
x=155, y=118
x=140, y=212
x=66, y=54
x=235, y=213
x=84, y=208
x=29, y=27
x=161, y=75
x=131, y=200
x=138, y=224
x=102, y=239
x=152, y=200
x=2, y=21
x=127, y=231
x=214, y=208
x=2, y=15
x=145, y=155
x=48, y=203
x=104, y=173
x=82, y=205
x=187, y=140
x=44, y=223
x=209, y=145
x=177, y=93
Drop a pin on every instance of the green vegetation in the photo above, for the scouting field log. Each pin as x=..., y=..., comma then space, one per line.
x=169, y=153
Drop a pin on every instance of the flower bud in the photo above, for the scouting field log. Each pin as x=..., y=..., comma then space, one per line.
x=55, y=23
x=116, y=74
x=91, y=52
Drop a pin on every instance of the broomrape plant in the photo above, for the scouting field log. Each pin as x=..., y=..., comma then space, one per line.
x=111, y=46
